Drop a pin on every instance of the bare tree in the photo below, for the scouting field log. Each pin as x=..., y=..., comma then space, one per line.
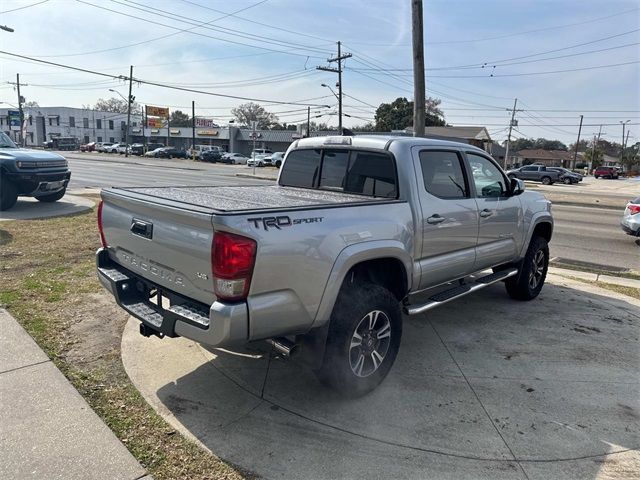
x=117, y=105
x=248, y=112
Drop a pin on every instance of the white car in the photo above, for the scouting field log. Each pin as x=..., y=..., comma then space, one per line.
x=274, y=159
x=258, y=161
x=104, y=147
x=235, y=159
x=153, y=153
x=122, y=148
x=112, y=148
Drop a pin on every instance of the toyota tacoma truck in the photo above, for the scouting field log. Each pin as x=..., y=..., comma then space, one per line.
x=30, y=173
x=535, y=173
x=323, y=264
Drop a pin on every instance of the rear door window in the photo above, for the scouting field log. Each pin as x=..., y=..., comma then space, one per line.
x=373, y=174
x=301, y=168
x=443, y=175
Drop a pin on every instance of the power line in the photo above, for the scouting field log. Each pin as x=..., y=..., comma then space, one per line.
x=157, y=84
x=22, y=8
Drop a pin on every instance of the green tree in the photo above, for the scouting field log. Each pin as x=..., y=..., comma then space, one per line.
x=117, y=105
x=179, y=119
x=398, y=114
x=367, y=127
x=248, y=112
x=539, y=143
x=595, y=159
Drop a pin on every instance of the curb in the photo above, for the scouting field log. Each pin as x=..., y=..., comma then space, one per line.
x=588, y=205
x=595, y=277
x=256, y=177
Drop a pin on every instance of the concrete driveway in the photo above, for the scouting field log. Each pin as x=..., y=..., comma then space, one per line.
x=484, y=387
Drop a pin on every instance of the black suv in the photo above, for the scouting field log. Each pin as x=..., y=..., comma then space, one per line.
x=30, y=173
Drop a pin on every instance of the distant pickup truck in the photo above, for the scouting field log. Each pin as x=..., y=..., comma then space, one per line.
x=30, y=173
x=535, y=173
x=322, y=264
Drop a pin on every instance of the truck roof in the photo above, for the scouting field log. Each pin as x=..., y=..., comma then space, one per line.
x=381, y=142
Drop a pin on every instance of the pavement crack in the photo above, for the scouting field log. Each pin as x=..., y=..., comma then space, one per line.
x=515, y=459
x=25, y=366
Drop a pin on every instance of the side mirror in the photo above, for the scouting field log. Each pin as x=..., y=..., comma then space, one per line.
x=517, y=186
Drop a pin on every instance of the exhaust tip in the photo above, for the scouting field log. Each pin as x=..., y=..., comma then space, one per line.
x=284, y=346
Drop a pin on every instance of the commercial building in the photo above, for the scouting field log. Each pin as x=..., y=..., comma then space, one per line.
x=46, y=123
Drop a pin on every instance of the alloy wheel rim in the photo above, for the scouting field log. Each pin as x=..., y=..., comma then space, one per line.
x=537, y=269
x=370, y=343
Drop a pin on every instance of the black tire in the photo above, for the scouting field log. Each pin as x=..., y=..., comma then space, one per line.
x=8, y=194
x=355, y=308
x=278, y=163
x=528, y=283
x=597, y=176
x=547, y=181
x=53, y=197
x=567, y=181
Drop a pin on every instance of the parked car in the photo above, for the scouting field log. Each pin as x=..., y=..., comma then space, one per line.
x=631, y=218
x=113, y=148
x=171, y=152
x=274, y=159
x=322, y=266
x=257, y=160
x=234, y=159
x=122, y=148
x=567, y=176
x=88, y=147
x=210, y=156
x=104, y=146
x=154, y=153
x=154, y=145
x=30, y=173
x=606, y=172
x=535, y=173
x=136, y=149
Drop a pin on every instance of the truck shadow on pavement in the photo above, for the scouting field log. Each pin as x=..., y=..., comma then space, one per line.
x=482, y=387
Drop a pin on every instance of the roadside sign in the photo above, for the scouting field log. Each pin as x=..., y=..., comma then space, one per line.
x=254, y=125
x=205, y=123
x=157, y=111
x=14, y=119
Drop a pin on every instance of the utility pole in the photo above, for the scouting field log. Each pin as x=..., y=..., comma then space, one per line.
x=511, y=124
x=624, y=124
x=419, y=86
x=575, y=152
x=338, y=70
x=308, y=121
x=193, y=129
x=22, y=112
x=596, y=142
x=129, y=102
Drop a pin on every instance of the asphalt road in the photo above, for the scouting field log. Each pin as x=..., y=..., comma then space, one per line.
x=582, y=234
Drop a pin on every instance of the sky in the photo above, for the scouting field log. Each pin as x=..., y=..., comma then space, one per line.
x=559, y=58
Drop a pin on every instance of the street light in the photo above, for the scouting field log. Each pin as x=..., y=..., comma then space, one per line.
x=624, y=124
x=327, y=86
x=126, y=133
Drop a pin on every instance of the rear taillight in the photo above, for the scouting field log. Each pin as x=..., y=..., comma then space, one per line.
x=633, y=209
x=100, y=229
x=232, y=260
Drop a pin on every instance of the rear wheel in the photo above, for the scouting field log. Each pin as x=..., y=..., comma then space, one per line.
x=363, y=339
x=53, y=197
x=278, y=163
x=567, y=181
x=529, y=281
x=8, y=194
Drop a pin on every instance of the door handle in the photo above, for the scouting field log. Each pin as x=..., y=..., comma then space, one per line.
x=486, y=213
x=435, y=219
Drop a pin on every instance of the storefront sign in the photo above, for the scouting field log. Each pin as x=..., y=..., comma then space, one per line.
x=205, y=122
x=136, y=130
x=210, y=133
x=155, y=131
x=157, y=111
x=175, y=131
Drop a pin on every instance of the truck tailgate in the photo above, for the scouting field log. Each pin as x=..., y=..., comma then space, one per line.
x=170, y=247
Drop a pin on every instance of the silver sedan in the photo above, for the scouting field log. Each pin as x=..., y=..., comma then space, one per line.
x=630, y=222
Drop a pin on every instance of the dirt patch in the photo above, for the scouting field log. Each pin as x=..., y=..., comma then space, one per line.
x=49, y=285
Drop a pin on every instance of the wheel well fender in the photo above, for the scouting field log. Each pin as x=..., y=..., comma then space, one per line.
x=541, y=225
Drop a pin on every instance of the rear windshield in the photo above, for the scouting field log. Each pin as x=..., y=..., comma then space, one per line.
x=349, y=171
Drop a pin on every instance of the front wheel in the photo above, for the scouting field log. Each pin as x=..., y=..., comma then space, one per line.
x=567, y=181
x=529, y=281
x=53, y=197
x=363, y=339
x=8, y=194
x=278, y=163
x=546, y=181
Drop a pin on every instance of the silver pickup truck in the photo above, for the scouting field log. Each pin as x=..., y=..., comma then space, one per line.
x=323, y=264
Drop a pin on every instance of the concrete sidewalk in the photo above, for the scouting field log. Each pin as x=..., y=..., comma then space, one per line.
x=595, y=277
x=47, y=429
